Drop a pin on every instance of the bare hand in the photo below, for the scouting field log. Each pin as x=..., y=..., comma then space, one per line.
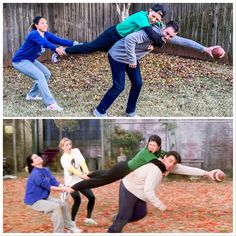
x=68, y=190
x=84, y=176
x=132, y=65
x=210, y=49
x=60, y=51
x=150, y=47
x=211, y=173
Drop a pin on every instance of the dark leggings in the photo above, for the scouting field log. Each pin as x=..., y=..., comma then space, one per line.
x=131, y=209
x=77, y=201
x=102, y=43
x=103, y=177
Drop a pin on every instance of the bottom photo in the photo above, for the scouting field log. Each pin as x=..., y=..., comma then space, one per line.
x=117, y=175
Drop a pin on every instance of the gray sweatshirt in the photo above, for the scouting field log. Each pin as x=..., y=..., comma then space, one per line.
x=135, y=46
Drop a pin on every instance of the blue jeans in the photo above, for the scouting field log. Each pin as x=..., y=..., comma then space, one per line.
x=40, y=74
x=102, y=43
x=131, y=209
x=118, y=76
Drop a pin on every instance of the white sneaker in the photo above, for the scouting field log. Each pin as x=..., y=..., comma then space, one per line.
x=131, y=114
x=54, y=107
x=55, y=58
x=75, y=230
x=96, y=113
x=64, y=196
x=30, y=98
x=90, y=221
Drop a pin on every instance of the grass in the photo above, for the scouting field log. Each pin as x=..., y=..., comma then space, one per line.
x=172, y=87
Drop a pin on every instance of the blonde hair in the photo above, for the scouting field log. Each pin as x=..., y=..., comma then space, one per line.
x=62, y=142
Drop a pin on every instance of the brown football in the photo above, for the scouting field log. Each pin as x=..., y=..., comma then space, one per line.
x=219, y=175
x=218, y=52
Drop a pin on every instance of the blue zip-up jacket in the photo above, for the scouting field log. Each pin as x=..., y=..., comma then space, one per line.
x=38, y=185
x=34, y=45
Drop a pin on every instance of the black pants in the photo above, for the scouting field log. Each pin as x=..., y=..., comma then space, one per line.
x=104, y=177
x=131, y=209
x=77, y=201
x=102, y=43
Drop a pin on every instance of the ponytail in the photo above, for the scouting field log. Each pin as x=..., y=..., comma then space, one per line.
x=35, y=22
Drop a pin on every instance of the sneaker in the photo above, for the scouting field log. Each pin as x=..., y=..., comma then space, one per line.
x=54, y=107
x=30, y=98
x=96, y=113
x=75, y=230
x=131, y=114
x=90, y=221
x=55, y=58
x=64, y=196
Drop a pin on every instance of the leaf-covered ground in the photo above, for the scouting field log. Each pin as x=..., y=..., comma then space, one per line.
x=172, y=87
x=201, y=206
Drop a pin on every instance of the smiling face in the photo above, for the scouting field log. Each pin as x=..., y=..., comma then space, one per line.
x=37, y=161
x=67, y=146
x=168, y=33
x=153, y=147
x=169, y=162
x=154, y=17
x=42, y=25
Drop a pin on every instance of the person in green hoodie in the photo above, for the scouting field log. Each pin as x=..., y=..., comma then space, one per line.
x=148, y=154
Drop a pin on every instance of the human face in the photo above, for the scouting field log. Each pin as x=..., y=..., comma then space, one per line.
x=42, y=26
x=37, y=160
x=67, y=147
x=168, y=33
x=169, y=162
x=154, y=17
x=153, y=147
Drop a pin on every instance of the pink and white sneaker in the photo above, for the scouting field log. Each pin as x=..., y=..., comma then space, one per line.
x=54, y=107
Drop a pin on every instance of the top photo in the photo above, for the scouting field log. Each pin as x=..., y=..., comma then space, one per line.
x=118, y=60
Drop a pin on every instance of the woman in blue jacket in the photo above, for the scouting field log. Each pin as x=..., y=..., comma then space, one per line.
x=39, y=185
x=25, y=61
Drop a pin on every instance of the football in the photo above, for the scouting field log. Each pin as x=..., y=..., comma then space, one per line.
x=219, y=175
x=218, y=52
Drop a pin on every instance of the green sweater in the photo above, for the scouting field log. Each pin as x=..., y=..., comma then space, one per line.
x=133, y=23
x=143, y=157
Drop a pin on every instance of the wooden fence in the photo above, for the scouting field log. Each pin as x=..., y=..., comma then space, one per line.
x=207, y=23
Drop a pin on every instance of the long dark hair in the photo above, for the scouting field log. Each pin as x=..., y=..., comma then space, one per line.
x=29, y=162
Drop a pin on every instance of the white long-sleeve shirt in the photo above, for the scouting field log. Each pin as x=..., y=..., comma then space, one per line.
x=143, y=183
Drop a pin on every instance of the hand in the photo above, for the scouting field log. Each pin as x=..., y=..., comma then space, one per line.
x=211, y=173
x=166, y=173
x=132, y=65
x=68, y=190
x=210, y=49
x=150, y=47
x=84, y=176
x=60, y=51
x=163, y=208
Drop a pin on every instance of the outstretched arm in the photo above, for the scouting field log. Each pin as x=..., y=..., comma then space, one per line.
x=177, y=40
x=187, y=170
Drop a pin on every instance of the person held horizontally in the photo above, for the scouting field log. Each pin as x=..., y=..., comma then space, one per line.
x=151, y=152
x=139, y=20
x=40, y=184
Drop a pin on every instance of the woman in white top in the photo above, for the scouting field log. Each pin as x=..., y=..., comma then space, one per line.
x=76, y=170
